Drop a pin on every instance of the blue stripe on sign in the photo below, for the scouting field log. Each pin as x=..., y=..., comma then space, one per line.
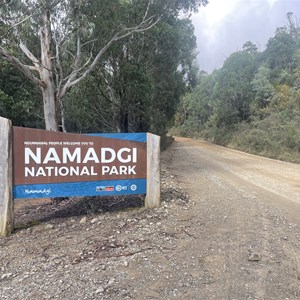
x=73, y=189
x=137, y=137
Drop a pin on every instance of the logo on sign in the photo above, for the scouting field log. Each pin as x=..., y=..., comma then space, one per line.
x=105, y=188
x=109, y=188
x=120, y=188
x=100, y=188
x=44, y=191
x=133, y=187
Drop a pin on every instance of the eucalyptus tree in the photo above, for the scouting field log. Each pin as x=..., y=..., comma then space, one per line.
x=233, y=91
x=144, y=77
x=280, y=52
x=62, y=32
x=263, y=88
x=138, y=83
x=196, y=107
x=55, y=43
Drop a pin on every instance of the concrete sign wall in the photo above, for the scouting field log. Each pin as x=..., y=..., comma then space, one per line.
x=41, y=164
x=6, y=203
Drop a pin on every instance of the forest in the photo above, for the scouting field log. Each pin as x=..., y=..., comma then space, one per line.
x=95, y=66
x=130, y=66
x=252, y=103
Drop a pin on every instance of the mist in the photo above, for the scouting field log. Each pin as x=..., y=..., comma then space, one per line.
x=222, y=27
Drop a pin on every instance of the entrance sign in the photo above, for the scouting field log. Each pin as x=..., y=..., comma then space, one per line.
x=42, y=164
x=56, y=164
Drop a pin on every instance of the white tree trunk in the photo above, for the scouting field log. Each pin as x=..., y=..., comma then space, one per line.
x=50, y=107
x=46, y=74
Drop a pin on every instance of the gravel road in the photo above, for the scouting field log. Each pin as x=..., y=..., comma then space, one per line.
x=228, y=228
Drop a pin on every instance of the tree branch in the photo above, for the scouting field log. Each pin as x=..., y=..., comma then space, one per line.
x=146, y=24
x=18, y=64
x=27, y=52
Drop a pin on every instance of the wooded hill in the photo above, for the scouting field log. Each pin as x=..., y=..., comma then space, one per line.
x=253, y=102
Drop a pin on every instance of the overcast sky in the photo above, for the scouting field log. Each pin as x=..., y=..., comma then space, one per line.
x=223, y=26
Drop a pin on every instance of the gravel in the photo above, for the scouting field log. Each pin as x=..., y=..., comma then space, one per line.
x=90, y=248
x=213, y=237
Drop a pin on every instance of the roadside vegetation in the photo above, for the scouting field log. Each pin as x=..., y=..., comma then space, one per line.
x=253, y=102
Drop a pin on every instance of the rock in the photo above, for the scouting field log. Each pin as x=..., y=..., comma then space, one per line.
x=254, y=257
x=111, y=281
x=100, y=289
x=126, y=263
x=49, y=226
x=83, y=220
x=94, y=220
x=6, y=276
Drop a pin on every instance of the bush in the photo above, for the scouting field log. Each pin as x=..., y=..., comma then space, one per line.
x=273, y=137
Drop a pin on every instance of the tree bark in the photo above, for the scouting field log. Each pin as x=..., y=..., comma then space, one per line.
x=50, y=110
x=46, y=74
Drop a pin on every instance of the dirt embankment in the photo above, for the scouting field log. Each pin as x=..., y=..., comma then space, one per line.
x=228, y=228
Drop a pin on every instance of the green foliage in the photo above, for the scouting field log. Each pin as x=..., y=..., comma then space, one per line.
x=276, y=136
x=280, y=53
x=139, y=85
x=264, y=90
x=253, y=102
x=18, y=98
x=139, y=77
x=138, y=80
x=4, y=104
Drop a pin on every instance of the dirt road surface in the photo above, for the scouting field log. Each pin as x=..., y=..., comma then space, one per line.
x=245, y=208
x=228, y=228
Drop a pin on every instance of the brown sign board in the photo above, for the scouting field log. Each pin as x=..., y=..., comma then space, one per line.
x=47, y=157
